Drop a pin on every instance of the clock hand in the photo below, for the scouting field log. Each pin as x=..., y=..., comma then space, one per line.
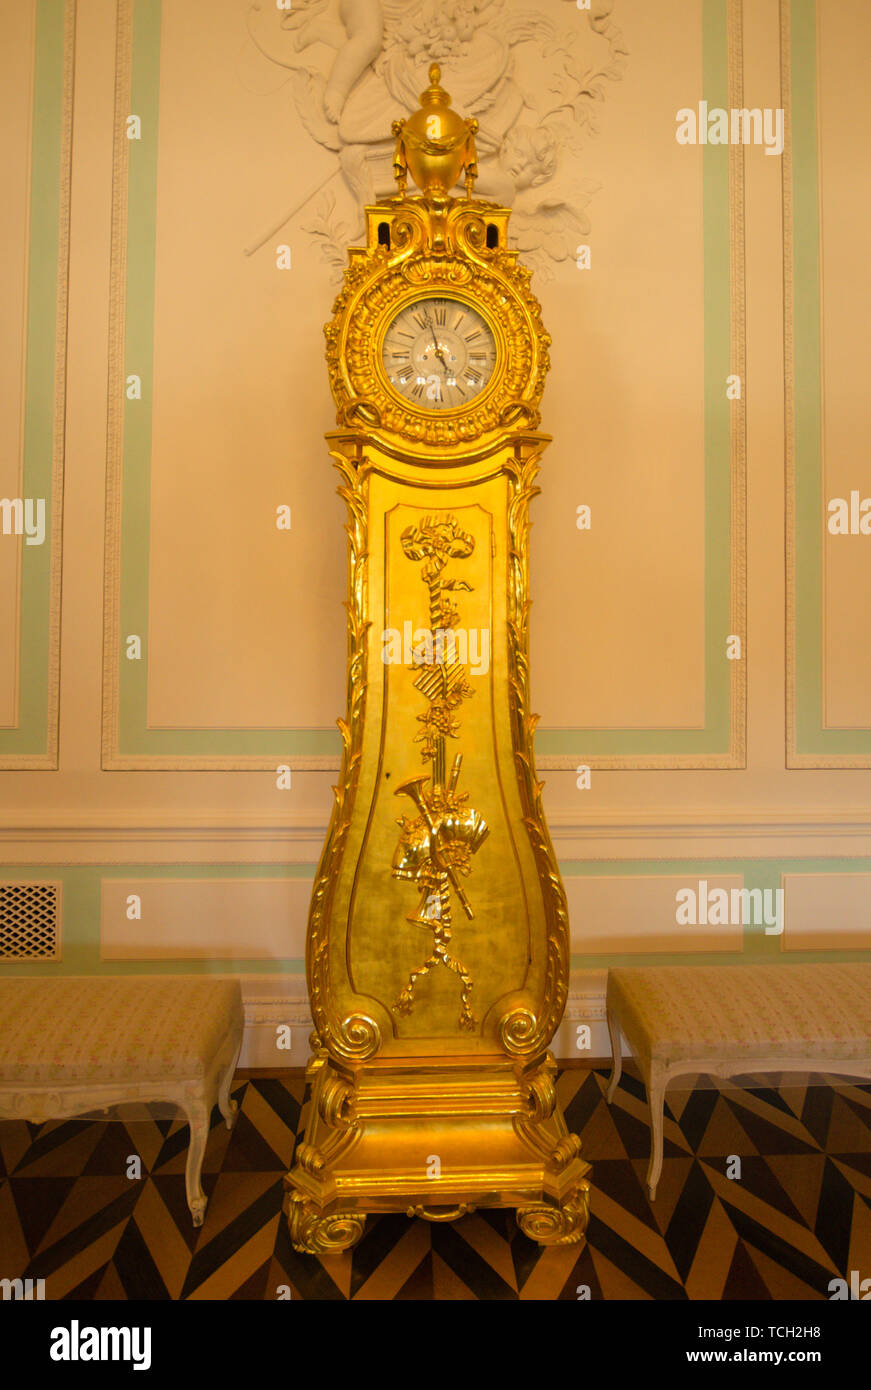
x=435, y=341
x=439, y=353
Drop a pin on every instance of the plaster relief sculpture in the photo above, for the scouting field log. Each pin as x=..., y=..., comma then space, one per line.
x=532, y=78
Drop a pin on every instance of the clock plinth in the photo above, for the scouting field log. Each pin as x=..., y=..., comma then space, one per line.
x=493, y=1136
x=438, y=947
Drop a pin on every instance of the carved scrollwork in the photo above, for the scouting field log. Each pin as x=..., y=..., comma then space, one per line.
x=310, y=1159
x=541, y=1091
x=518, y=415
x=359, y=411
x=361, y=1036
x=532, y=1126
x=356, y=1037
x=568, y=1148
x=515, y=1030
x=407, y=233
x=557, y=1225
x=522, y=1032
x=336, y=1102
x=472, y=230
x=424, y=271
x=314, y=1234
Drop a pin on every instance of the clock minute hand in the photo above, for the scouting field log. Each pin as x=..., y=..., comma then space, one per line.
x=435, y=343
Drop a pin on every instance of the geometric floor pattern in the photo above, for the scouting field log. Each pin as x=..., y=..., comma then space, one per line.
x=798, y=1216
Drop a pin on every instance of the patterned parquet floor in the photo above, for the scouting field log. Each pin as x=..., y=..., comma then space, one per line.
x=799, y=1215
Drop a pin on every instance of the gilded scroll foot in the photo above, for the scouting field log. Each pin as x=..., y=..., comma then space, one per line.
x=314, y=1234
x=565, y=1224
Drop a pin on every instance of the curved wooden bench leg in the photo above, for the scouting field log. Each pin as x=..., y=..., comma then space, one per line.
x=229, y=1108
x=656, y=1103
x=616, y=1057
x=198, y=1114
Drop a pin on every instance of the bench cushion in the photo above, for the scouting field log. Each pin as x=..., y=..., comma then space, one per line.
x=113, y=1028
x=672, y=1013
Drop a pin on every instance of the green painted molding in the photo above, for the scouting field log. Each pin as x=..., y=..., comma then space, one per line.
x=809, y=742
x=756, y=873
x=80, y=940
x=127, y=740
x=720, y=743
x=33, y=743
x=81, y=913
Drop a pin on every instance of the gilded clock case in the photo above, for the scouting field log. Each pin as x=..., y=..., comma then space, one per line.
x=438, y=944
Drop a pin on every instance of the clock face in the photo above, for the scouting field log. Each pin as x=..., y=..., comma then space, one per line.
x=439, y=353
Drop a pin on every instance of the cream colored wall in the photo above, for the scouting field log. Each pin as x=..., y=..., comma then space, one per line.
x=245, y=629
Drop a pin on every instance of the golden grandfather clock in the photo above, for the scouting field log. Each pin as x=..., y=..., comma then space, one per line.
x=438, y=940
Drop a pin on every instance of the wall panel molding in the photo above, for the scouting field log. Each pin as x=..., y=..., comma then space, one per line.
x=812, y=741
x=628, y=891
x=92, y=837
x=826, y=911
x=129, y=740
x=32, y=743
x=721, y=743
x=204, y=919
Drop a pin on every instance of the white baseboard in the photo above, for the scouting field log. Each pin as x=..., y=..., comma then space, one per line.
x=277, y=1012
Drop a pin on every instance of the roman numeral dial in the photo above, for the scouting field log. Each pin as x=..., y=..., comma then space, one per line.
x=439, y=354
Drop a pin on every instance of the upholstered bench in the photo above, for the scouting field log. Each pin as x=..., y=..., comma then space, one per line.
x=731, y=1020
x=69, y=1046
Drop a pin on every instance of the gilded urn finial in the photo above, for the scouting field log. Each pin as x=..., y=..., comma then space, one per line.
x=435, y=145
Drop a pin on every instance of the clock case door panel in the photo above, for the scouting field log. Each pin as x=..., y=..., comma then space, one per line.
x=502, y=952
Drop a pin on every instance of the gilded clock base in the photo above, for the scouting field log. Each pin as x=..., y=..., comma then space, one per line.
x=437, y=1143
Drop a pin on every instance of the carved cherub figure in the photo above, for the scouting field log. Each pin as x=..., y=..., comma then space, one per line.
x=353, y=28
